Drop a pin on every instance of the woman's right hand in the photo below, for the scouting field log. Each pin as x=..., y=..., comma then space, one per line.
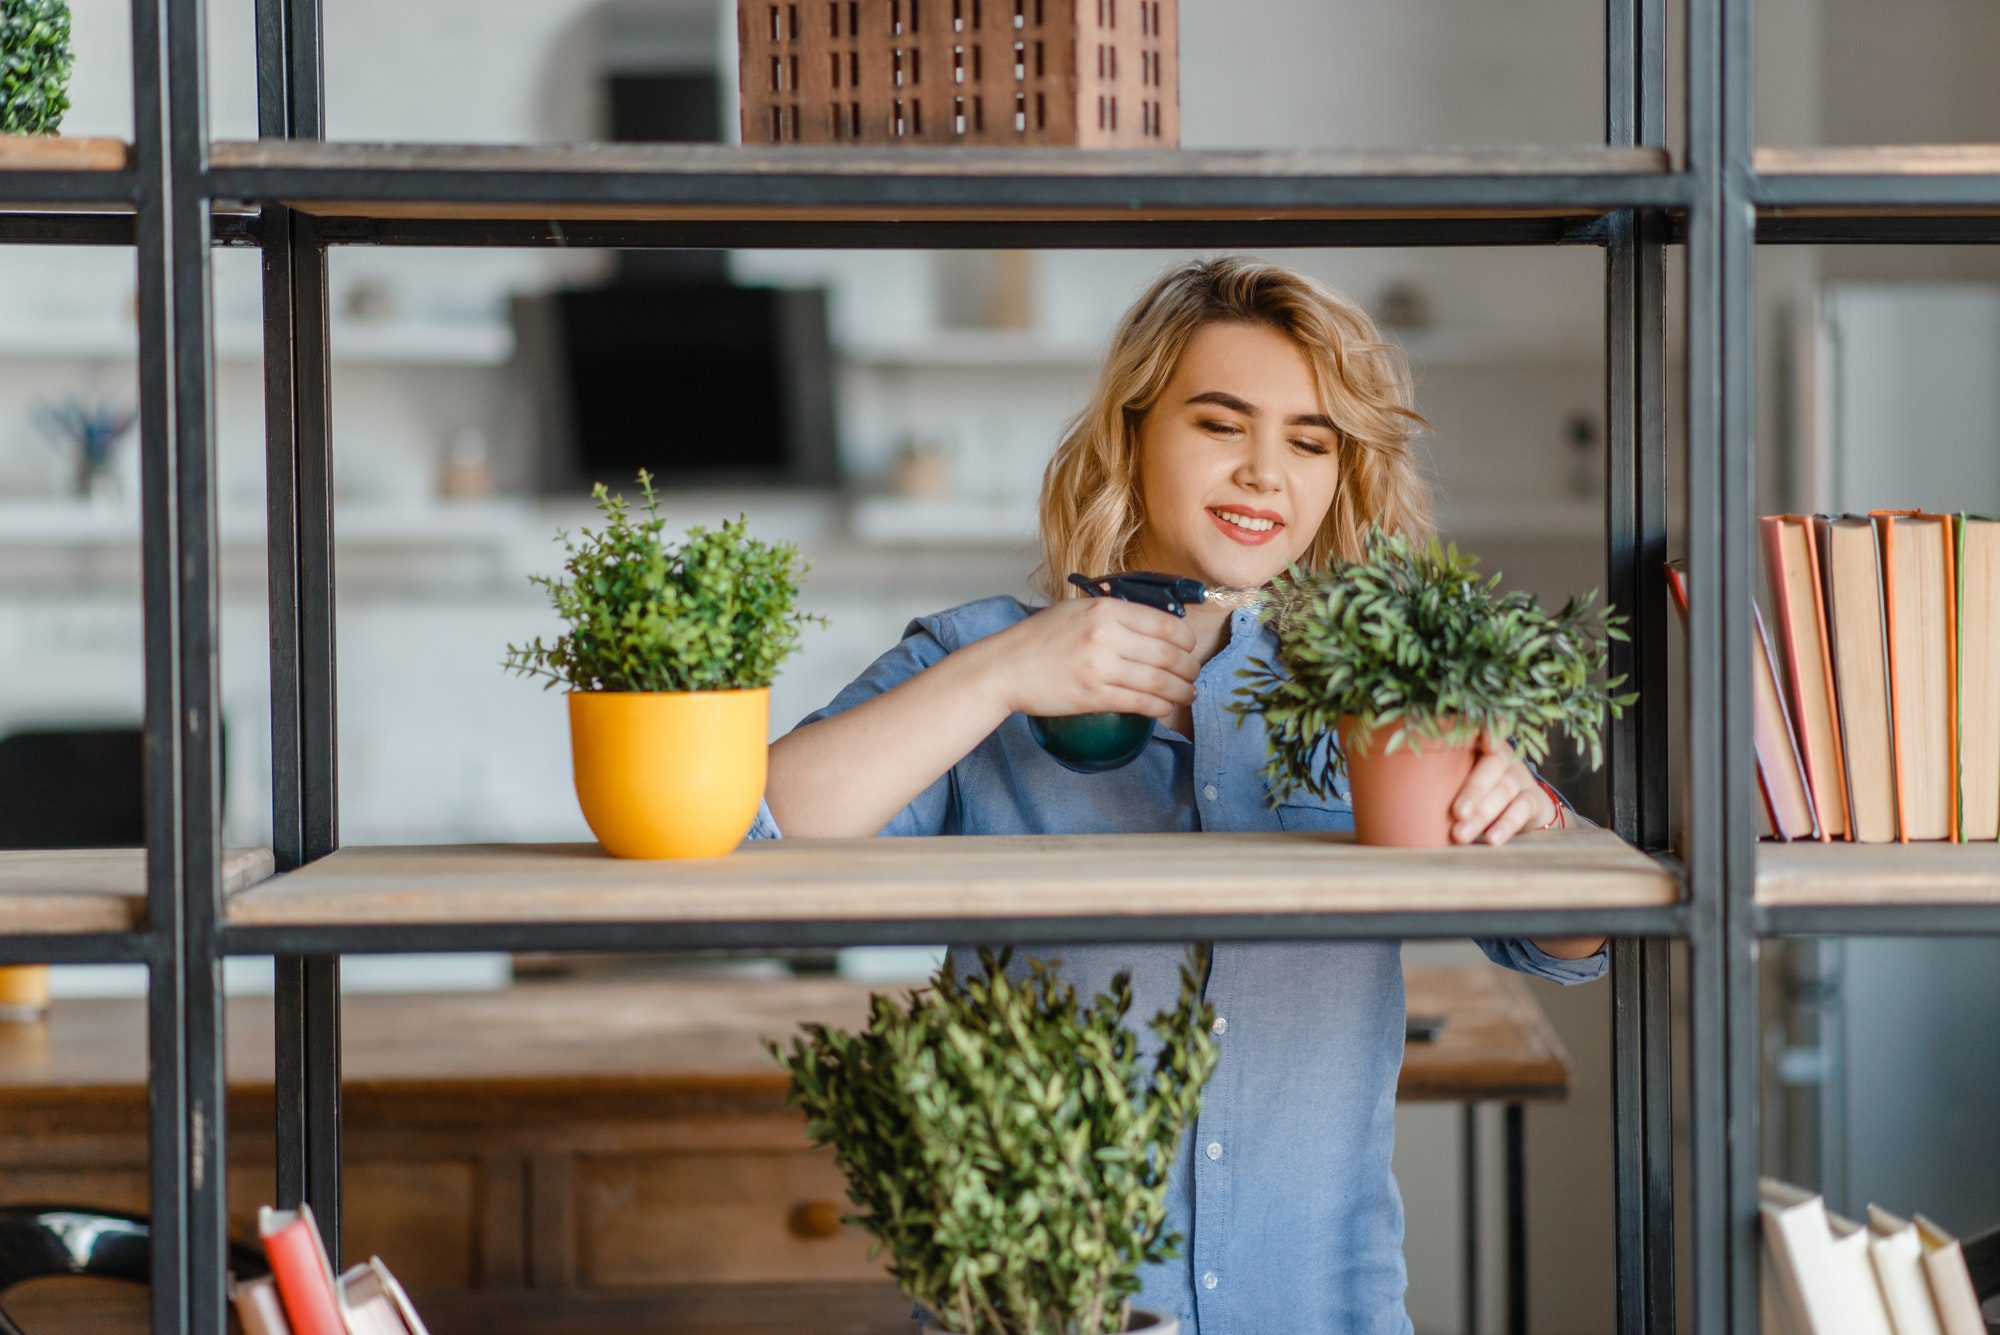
x=1085, y=655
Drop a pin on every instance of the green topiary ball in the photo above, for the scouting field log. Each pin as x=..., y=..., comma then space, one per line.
x=35, y=62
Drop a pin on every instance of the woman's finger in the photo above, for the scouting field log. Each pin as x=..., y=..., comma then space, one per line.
x=1487, y=807
x=1122, y=700
x=1156, y=682
x=1512, y=820
x=1146, y=650
x=1479, y=784
x=1155, y=624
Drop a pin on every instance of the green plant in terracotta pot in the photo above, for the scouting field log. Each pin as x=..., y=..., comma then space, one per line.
x=668, y=660
x=35, y=62
x=1005, y=1148
x=1398, y=667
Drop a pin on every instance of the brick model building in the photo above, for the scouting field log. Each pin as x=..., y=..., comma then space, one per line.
x=1072, y=73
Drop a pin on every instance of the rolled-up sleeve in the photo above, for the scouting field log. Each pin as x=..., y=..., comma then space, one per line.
x=1517, y=952
x=934, y=810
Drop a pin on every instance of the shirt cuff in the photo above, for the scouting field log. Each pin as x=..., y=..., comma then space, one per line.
x=764, y=827
x=1524, y=955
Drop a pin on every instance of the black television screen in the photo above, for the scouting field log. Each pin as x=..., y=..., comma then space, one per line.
x=701, y=384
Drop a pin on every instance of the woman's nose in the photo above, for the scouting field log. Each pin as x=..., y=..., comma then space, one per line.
x=1258, y=467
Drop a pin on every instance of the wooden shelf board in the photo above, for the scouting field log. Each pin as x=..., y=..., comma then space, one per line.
x=1808, y=873
x=955, y=878
x=35, y=152
x=1880, y=160
x=95, y=889
x=451, y=181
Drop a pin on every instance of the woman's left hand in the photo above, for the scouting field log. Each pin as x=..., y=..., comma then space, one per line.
x=1499, y=799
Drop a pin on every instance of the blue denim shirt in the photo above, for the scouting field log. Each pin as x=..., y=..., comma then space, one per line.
x=1281, y=1192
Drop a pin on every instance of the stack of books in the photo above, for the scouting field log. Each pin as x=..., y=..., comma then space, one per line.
x=302, y=1295
x=1876, y=679
x=1824, y=1275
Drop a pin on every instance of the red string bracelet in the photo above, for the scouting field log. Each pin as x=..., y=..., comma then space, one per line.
x=1557, y=821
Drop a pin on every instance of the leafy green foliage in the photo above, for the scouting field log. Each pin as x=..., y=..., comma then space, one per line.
x=1413, y=635
x=35, y=62
x=997, y=1138
x=715, y=613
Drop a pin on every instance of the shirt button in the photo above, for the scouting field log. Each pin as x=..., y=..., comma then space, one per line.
x=1209, y=792
x=1220, y=1027
x=1209, y=1280
x=1215, y=1149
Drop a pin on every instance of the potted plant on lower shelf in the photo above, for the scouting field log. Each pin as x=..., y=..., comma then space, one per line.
x=1003, y=1147
x=35, y=65
x=1395, y=667
x=668, y=659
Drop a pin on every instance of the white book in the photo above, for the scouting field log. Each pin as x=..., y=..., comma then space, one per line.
x=1824, y=1273
x=1866, y=1310
x=1898, y=1254
x=1951, y=1283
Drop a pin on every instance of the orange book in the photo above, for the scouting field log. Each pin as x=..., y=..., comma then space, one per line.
x=1921, y=617
x=299, y=1264
x=1851, y=578
x=1978, y=666
x=1791, y=559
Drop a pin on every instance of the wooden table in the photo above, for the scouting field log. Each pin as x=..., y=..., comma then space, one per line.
x=573, y=1155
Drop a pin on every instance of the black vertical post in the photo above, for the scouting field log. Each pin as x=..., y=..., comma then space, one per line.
x=166, y=1084
x=1636, y=538
x=299, y=499
x=184, y=861
x=1722, y=945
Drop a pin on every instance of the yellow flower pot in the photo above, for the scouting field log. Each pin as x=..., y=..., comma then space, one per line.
x=669, y=774
x=24, y=991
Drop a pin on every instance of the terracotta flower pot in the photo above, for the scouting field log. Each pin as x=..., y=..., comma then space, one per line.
x=1403, y=799
x=669, y=774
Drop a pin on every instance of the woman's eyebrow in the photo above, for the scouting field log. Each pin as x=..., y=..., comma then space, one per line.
x=1222, y=400
x=1234, y=404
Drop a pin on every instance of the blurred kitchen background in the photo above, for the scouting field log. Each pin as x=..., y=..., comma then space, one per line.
x=892, y=412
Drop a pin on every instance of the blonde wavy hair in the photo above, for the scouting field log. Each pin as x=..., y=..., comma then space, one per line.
x=1091, y=514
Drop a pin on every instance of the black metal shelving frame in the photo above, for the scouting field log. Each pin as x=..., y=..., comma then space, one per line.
x=175, y=201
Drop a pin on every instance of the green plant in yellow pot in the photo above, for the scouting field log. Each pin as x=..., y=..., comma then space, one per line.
x=668, y=660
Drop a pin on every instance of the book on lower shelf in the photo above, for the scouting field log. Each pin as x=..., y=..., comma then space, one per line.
x=303, y=1296
x=1827, y=1275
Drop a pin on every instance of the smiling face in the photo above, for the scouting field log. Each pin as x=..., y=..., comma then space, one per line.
x=1238, y=462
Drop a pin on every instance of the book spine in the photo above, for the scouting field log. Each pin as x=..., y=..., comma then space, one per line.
x=298, y=1265
x=1951, y=674
x=1885, y=549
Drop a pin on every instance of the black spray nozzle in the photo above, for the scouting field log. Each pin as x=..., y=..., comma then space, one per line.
x=1169, y=593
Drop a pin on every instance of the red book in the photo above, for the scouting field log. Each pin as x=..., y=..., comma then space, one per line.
x=299, y=1264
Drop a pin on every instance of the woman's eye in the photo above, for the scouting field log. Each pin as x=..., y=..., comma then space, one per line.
x=1219, y=428
x=1311, y=446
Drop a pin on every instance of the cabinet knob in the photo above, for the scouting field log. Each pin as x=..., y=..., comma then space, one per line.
x=815, y=1219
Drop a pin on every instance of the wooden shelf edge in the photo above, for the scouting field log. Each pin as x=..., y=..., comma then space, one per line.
x=969, y=878
x=755, y=160
x=72, y=891
x=1808, y=874
x=30, y=152
x=1879, y=160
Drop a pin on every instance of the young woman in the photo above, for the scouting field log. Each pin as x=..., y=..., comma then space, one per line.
x=1246, y=418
